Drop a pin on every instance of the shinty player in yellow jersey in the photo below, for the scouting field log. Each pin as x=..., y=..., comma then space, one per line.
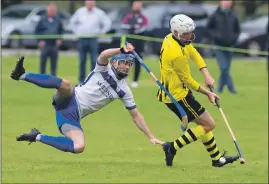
x=175, y=54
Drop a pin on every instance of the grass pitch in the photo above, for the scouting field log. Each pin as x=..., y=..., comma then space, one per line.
x=116, y=151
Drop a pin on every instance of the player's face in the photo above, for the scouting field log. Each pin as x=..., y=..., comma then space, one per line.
x=124, y=66
x=185, y=37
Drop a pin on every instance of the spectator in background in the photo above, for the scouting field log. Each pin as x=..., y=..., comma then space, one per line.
x=89, y=21
x=136, y=23
x=49, y=24
x=224, y=28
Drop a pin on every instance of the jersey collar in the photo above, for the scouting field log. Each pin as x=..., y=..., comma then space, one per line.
x=177, y=41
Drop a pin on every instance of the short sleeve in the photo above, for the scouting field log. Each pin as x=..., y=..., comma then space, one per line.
x=128, y=99
x=101, y=68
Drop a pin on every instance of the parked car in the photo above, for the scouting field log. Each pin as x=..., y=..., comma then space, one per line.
x=22, y=19
x=253, y=35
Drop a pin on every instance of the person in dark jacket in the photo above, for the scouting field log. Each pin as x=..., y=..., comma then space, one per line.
x=49, y=24
x=136, y=23
x=224, y=29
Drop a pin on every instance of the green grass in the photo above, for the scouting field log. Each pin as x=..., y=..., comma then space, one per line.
x=116, y=151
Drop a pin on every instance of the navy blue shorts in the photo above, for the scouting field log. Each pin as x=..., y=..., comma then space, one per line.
x=66, y=111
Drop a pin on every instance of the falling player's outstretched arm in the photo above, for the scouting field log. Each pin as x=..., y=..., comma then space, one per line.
x=141, y=124
x=103, y=58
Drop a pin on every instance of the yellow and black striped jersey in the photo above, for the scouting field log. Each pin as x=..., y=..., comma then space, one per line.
x=175, y=70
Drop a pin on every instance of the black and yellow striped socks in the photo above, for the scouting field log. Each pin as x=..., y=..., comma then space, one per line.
x=209, y=141
x=189, y=136
x=195, y=133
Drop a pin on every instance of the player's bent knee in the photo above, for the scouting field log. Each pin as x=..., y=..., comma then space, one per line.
x=66, y=86
x=79, y=148
x=79, y=145
x=206, y=121
x=208, y=126
x=212, y=125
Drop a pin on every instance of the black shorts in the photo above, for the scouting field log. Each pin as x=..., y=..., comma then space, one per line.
x=192, y=108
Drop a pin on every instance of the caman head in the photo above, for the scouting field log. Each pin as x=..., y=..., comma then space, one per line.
x=122, y=64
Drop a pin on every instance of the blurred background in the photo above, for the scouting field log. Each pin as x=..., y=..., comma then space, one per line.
x=20, y=17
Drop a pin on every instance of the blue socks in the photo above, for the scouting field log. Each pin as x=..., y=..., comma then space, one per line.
x=42, y=80
x=62, y=143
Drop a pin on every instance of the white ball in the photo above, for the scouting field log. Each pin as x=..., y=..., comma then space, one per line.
x=222, y=160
